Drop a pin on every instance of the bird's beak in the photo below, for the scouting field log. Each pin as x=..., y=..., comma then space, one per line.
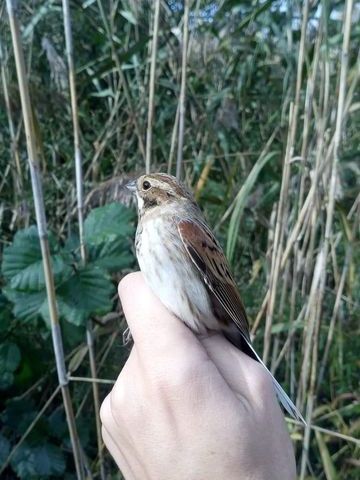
x=131, y=186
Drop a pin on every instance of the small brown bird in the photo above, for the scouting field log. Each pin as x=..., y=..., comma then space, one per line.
x=185, y=266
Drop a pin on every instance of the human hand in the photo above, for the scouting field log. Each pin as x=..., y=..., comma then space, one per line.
x=185, y=408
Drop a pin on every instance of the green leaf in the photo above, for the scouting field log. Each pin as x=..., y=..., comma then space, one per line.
x=5, y=313
x=40, y=460
x=112, y=256
x=86, y=292
x=108, y=223
x=129, y=16
x=24, y=251
x=4, y=448
x=22, y=262
x=10, y=357
x=18, y=414
x=6, y=380
x=240, y=203
x=27, y=305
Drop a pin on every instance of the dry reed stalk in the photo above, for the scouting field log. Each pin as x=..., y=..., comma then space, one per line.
x=123, y=80
x=338, y=299
x=103, y=381
x=318, y=285
x=80, y=210
x=103, y=354
x=179, y=159
x=310, y=87
x=283, y=200
x=278, y=238
x=42, y=229
x=151, y=106
x=173, y=140
x=106, y=133
x=75, y=121
x=18, y=180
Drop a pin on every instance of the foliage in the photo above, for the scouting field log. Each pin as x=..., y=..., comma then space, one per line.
x=82, y=291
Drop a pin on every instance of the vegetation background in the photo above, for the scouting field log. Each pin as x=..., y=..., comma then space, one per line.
x=264, y=126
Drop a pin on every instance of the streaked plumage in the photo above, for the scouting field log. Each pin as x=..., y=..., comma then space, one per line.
x=186, y=268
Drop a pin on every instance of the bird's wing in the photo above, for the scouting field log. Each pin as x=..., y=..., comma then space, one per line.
x=208, y=257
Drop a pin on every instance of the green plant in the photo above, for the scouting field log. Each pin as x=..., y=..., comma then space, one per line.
x=82, y=292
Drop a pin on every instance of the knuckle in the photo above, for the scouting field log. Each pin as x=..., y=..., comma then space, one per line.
x=117, y=396
x=105, y=413
x=176, y=379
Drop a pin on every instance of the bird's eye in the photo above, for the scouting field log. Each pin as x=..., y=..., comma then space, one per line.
x=146, y=185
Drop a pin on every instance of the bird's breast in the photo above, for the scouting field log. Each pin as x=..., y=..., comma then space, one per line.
x=171, y=275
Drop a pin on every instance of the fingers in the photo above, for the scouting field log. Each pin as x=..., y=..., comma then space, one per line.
x=112, y=445
x=245, y=376
x=158, y=335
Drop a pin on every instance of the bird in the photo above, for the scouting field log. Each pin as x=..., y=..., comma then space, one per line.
x=186, y=268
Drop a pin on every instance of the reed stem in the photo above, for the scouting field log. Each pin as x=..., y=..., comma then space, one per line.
x=42, y=229
x=179, y=160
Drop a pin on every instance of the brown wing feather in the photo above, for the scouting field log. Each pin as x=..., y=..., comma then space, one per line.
x=208, y=257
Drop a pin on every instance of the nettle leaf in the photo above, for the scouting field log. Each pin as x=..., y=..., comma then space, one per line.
x=5, y=313
x=27, y=305
x=22, y=262
x=108, y=223
x=86, y=292
x=18, y=414
x=10, y=357
x=39, y=460
x=112, y=256
x=32, y=277
x=4, y=448
x=24, y=251
x=6, y=380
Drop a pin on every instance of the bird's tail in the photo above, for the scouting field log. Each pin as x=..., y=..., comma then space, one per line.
x=280, y=393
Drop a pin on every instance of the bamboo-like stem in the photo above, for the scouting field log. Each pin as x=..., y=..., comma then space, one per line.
x=151, y=107
x=107, y=348
x=95, y=390
x=80, y=209
x=92, y=380
x=179, y=159
x=75, y=121
x=173, y=141
x=42, y=229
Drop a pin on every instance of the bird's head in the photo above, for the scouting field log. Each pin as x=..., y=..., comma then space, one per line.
x=158, y=189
